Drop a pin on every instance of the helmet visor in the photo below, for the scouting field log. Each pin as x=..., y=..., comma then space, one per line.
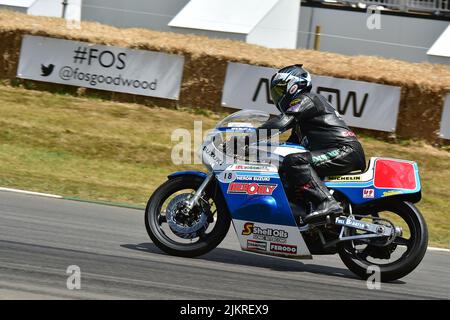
x=277, y=93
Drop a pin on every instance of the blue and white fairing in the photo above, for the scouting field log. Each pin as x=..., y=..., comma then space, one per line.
x=261, y=214
x=254, y=193
x=384, y=178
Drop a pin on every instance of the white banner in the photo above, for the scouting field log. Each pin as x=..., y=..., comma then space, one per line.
x=362, y=104
x=101, y=67
x=445, y=120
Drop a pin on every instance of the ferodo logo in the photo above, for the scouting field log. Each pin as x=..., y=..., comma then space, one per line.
x=283, y=248
x=251, y=188
x=249, y=228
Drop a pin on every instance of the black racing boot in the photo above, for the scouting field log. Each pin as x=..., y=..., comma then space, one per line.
x=329, y=207
x=320, y=196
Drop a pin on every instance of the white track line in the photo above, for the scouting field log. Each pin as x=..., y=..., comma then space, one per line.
x=438, y=249
x=31, y=193
x=60, y=197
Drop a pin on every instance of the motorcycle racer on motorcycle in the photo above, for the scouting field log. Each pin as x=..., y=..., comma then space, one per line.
x=287, y=210
x=334, y=148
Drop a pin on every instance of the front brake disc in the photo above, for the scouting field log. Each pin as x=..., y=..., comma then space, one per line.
x=185, y=226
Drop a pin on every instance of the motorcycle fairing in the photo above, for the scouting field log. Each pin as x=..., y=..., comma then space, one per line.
x=258, y=195
x=278, y=240
x=385, y=177
x=260, y=211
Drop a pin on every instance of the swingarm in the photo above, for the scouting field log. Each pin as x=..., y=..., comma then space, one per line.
x=380, y=228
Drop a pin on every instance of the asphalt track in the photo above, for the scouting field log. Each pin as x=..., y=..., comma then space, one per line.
x=40, y=237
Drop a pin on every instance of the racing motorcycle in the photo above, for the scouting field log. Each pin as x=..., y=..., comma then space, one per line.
x=190, y=214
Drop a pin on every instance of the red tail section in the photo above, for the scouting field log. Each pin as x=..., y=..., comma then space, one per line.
x=394, y=174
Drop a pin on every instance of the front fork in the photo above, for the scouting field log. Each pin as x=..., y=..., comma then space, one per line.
x=193, y=201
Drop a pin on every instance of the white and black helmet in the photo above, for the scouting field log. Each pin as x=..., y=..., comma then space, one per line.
x=287, y=84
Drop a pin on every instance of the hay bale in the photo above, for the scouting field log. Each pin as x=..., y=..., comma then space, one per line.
x=424, y=85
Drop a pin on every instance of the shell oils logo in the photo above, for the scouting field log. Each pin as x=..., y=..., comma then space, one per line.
x=251, y=188
x=263, y=234
x=248, y=229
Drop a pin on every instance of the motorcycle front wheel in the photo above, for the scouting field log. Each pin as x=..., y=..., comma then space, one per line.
x=182, y=233
x=397, y=259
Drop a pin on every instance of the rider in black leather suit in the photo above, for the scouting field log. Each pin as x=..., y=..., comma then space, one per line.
x=316, y=125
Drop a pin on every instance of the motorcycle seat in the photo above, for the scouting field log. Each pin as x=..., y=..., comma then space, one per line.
x=356, y=175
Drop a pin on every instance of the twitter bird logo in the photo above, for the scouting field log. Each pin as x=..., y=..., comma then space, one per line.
x=47, y=70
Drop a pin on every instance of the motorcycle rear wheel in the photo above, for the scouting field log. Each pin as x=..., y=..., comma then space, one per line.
x=416, y=246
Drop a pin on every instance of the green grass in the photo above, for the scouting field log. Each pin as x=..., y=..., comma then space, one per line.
x=87, y=148
x=118, y=152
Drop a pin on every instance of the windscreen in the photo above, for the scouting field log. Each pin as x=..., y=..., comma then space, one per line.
x=226, y=143
x=244, y=119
